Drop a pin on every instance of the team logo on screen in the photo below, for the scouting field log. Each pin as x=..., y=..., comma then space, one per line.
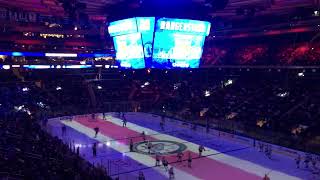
x=158, y=43
x=148, y=49
x=160, y=147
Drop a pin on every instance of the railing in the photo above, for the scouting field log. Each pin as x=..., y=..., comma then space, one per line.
x=229, y=126
x=239, y=128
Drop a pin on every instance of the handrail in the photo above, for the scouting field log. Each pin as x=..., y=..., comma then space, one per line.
x=237, y=128
x=238, y=132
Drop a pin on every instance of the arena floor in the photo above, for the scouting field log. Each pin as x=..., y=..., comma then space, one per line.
x=224, y=158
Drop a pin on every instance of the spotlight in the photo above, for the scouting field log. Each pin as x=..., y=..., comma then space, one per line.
x=25, y=89
x=229, y=82
x=58, y=88
x=99, y=87
x=6, y=67
x=316, y=13
x=207, y=93
x=301, y=74
x=284, y=94
x=40, y=104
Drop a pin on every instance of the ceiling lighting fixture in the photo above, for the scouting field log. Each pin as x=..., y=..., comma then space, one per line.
x=25, y=89
x=207, y=93
x=6, y=67
x=301, y=74
x=60, y=55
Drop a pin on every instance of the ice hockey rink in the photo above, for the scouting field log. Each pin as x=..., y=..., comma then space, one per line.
x=226, y=157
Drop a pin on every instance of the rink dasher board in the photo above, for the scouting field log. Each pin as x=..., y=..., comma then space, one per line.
x=233, y=137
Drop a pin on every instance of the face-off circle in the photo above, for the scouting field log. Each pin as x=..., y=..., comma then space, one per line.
x=160, y=147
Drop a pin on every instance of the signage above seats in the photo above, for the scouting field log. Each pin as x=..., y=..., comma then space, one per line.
x=183, y=26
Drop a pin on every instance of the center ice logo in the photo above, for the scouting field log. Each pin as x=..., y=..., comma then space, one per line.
x=159, y=147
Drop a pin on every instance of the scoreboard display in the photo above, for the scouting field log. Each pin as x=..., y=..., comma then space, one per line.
x=145, y=42
x=129, y=51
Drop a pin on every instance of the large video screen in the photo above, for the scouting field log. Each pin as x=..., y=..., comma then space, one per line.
x=183, y=26
x=177, y=50
x=142, y=42
x=178, y=43
x=122, y=27
x=146, y=28
x=129, y=51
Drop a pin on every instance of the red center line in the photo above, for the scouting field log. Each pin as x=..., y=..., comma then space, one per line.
x=203, y=168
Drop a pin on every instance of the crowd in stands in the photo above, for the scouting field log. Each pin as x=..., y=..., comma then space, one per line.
x=279, y=106
x=27, y=151
x=272, y=101
x=275, y=50
x=272, y=106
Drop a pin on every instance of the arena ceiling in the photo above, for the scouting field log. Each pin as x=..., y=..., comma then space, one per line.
x=233, y=13
x=103, y=7
x=262, y=7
